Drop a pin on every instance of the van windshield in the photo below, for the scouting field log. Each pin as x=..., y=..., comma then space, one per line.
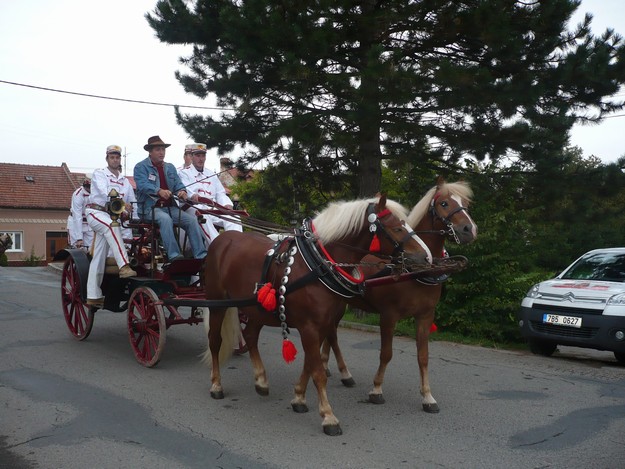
x=598, y=266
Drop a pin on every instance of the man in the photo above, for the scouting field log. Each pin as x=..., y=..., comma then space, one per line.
x=187, y=158
x=157, y=182
x=204, y=183
x=78, y=230
x=107, y=235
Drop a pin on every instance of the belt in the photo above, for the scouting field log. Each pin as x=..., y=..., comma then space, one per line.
x=96, y=207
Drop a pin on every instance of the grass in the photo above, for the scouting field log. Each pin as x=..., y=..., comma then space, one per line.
x=406, y=328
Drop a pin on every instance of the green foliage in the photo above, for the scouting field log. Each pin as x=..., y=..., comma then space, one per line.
x=33, y=260
x=4, y=261
x=338, y=87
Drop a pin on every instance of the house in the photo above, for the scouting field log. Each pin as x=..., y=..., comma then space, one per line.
x=34, y=206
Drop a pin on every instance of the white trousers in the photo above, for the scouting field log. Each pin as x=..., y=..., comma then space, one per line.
x=208, y=229
x=105, y=236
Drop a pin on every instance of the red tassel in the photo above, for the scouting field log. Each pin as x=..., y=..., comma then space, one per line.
x=375, y=244
x=433, y=328
x=289, y=352
x=266, y=296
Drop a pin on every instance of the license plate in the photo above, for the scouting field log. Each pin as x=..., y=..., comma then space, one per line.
x=570, y=321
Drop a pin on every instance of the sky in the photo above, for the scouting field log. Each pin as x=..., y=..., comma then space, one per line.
x=110, y=50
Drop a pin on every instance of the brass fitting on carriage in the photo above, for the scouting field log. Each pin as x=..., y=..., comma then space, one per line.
x=115, y=206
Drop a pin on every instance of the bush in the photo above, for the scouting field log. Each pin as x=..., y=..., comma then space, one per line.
x=33, y=260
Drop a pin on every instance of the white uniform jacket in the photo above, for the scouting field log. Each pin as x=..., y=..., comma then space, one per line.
x=77, y=223
x=205, y=184
x=103, y=181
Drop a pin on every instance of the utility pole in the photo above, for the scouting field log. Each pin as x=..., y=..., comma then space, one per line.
x=125, y=155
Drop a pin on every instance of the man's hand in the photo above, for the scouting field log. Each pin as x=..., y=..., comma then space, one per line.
x=195, y=198
x=182, y=194
x=164, y=194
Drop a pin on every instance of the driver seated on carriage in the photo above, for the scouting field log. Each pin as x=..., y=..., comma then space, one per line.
x=108, y=236
x=157, y=182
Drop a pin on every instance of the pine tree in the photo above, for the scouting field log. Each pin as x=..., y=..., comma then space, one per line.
x=333, y=87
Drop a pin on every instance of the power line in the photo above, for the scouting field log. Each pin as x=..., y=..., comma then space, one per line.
x=115, y=99
x=159, y=104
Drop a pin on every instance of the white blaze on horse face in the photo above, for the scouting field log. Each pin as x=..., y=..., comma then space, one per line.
x=428, y=253
x=458, y=200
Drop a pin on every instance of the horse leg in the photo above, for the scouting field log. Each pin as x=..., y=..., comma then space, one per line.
x=314, y=368
x=428, y=402
x=214, y=323
x=387, y=328
x=332, y=341
x=251, y=334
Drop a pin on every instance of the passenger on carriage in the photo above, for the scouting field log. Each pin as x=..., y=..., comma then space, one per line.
x=80, y=234
x=107, y=235
x=202, y=182
x=187, y=158
x=156, y=182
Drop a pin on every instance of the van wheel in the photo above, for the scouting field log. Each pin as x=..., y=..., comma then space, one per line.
x=620, y=357
x=545, y=349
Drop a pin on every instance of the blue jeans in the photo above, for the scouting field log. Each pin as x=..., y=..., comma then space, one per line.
x=166, y=218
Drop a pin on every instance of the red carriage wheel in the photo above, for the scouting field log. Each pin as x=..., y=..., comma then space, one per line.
x=146, y=326
x=78, y=316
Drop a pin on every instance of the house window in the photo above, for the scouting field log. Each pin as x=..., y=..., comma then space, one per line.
x=17, y=237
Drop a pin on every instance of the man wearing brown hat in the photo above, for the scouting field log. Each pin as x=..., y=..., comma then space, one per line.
x=157, y=182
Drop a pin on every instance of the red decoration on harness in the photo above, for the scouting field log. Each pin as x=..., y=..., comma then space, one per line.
x=375, y=243
x=266, y=296
x=289, y=352
x=433, y=328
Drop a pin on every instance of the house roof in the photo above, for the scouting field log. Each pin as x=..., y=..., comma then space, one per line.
x=25, y=186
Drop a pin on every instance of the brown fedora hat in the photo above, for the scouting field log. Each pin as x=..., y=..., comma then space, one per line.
x=155, y=142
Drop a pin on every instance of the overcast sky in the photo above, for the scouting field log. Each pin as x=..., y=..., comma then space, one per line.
x=108, y=49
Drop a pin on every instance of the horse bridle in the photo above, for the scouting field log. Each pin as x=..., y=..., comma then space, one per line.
x=376, y=225
x=447, y=220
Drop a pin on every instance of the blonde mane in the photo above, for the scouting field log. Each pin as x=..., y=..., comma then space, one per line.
x=341, y=219
x=460, y=189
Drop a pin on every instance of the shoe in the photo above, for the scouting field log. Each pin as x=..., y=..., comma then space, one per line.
x=177, y=258
x=95, y=301
x=126, y=272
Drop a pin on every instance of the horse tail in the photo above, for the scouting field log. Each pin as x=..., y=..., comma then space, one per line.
x=229, y=335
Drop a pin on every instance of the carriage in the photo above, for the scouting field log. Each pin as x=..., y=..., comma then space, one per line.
x=153, y=300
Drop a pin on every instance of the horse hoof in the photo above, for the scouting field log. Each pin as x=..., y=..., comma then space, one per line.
x=376, y=399
x=431, y=408
x=349, y=382
x=300, y=408
x=332, y=430
x=217, y=394
x=328, y=373
x=261, y=390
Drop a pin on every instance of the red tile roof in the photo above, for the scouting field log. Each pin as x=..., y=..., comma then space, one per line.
x=37, y=186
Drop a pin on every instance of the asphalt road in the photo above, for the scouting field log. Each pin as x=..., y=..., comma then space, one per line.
x=70, y=404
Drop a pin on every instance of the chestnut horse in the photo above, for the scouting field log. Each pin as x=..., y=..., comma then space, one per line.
x=238, y=263
x=439, y=215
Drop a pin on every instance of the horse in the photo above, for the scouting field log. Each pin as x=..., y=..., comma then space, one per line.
x=312, y=291
x=440, y=214
x=5, y=242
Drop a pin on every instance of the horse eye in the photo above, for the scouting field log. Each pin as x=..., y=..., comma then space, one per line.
x=444, y=204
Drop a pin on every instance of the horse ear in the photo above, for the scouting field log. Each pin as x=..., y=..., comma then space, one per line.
x=440, y=180
x=381, y=201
